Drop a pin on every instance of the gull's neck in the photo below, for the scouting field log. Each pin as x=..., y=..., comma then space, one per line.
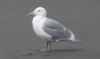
x=39, y=16
x=38, y=19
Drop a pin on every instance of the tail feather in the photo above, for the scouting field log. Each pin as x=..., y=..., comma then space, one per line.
x=72, y=38
x=78, y=41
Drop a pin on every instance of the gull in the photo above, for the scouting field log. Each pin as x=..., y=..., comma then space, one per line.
x=49, y=29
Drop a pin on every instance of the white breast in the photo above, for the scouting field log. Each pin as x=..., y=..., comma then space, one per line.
x=37, y=26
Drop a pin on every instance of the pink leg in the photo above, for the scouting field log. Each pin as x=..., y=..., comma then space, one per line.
x=48, y=47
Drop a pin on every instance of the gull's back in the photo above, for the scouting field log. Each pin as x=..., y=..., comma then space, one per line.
x=56, y=30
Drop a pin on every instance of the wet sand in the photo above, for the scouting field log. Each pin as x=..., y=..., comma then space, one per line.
x=18, y=40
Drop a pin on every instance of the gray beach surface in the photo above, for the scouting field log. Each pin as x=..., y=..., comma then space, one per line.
x=18, y=40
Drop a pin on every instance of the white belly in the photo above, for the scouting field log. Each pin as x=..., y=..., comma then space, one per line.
x=37, y=26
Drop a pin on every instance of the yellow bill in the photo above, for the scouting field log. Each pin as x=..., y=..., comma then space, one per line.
x=31, y=14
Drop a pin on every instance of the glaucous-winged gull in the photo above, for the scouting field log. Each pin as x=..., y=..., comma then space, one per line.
x=50, y=29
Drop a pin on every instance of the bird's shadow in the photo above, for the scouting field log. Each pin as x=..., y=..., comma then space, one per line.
x=66, y=50
x=54, y=51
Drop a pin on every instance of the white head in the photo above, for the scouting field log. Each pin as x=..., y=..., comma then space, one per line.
x=40, y=11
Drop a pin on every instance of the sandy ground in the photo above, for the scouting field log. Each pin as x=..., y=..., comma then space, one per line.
x=18, y=40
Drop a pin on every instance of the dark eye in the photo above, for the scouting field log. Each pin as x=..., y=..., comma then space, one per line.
x=38, y=10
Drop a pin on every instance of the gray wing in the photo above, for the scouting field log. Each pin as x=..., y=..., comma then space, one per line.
x=56, y=30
